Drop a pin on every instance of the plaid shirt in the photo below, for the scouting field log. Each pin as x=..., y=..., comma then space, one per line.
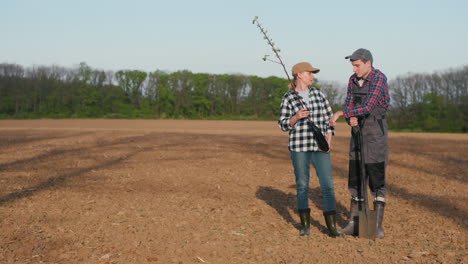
x=300, y=135
x=377, y=94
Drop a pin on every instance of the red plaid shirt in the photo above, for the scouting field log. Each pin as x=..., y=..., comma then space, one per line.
x=377, y=94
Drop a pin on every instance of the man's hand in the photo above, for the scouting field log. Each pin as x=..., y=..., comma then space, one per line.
x=353, y=121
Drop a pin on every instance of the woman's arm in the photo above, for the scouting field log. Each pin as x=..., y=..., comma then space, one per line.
x=335, y=117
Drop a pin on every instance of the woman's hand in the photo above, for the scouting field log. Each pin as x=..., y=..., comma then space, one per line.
x=329, y=140
x=334, y=118
x=303, y=113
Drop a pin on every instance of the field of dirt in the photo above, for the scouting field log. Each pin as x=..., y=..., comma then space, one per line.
x=174, y=191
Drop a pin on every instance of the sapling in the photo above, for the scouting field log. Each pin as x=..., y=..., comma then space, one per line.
x=273, y=47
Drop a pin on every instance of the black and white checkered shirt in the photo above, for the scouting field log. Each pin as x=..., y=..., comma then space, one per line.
x=300, y=135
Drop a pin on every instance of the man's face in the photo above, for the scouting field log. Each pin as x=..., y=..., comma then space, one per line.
x=361, y=68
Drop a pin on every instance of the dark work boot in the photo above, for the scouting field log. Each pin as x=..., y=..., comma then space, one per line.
x=379, y=208
x=352, y=227
x=304, y=214
x=330, y=220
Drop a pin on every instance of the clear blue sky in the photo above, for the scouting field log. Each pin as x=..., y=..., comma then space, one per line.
x=216, y=36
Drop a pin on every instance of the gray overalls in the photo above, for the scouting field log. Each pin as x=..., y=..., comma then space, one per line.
x=375, y=140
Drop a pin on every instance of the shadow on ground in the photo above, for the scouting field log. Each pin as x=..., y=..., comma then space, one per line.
x=283, y=203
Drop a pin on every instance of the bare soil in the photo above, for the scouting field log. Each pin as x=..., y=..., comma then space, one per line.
x=173, y=191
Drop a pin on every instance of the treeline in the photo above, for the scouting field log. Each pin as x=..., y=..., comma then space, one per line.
x=436, y=102
x=84, y=92
x=420, y=102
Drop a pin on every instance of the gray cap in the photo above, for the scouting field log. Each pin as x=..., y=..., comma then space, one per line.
x=360, y=54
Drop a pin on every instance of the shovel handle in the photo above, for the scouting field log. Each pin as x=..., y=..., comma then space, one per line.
x=357, y=132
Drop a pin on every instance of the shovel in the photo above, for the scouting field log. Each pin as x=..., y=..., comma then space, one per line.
x=367, y=217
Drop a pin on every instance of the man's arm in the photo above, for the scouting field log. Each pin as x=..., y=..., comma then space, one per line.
x=375, y=92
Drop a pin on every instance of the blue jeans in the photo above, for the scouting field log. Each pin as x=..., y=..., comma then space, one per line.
x=322, y=164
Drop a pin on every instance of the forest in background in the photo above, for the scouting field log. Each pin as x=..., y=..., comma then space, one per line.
x=435, y=102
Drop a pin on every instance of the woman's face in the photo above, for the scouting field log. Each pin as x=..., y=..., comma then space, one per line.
x=306, y=78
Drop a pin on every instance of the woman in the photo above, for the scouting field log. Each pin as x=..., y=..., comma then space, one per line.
x=303, y=146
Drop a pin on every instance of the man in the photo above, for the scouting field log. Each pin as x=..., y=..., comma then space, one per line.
x=366, y=103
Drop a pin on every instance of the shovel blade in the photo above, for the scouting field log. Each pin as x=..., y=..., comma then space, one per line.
x=367, y=224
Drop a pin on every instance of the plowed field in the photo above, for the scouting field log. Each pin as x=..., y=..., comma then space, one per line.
x=174, y=191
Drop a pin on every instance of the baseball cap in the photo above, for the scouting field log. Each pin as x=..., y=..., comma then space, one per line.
x=302, y=67
x=360, y=54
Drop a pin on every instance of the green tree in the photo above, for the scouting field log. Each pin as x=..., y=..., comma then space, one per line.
x=160, y=94
x=432, y=112
x=200, y=98
x=181, y=84
x=131, y=81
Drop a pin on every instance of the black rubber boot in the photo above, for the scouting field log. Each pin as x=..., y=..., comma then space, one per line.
x=304, y=214
x=352, y=227
x=379, y=208
x=330, y=220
